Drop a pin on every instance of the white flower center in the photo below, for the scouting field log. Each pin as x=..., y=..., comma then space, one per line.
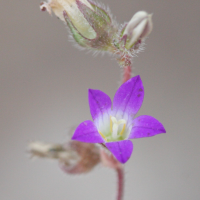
x=115, y=127
x=115, y=131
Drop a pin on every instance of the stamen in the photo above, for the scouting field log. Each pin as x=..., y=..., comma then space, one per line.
x=121, y=133
x=111, y=129
x=103, y=136
x=114, y=127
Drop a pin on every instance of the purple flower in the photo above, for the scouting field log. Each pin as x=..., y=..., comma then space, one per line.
x=116, y=126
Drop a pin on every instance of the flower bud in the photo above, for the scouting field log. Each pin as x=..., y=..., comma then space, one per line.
x=74, y=157
x=75, y=15
x=90, y=24
x=137, y=29
x=89, y=157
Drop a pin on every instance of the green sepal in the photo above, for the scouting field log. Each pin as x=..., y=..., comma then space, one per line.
x=98, y=23
x=77, y=36
x=101, y=12
x=122, y=31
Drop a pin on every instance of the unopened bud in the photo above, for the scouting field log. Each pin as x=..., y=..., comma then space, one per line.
x=90, y=24
x=74, y=157
x=137, y=29
x=76, y=17
x=89, y=157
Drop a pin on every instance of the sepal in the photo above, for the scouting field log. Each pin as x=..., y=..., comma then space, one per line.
x=100, y=22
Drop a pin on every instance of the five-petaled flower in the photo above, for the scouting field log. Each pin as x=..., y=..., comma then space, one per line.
x=114, y=127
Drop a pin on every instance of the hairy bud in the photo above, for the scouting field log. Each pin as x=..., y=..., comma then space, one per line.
x=93, y=28
x=89, y=24
x=137, y=29
x=89, y=157
x=74, y=14
x=74, y=157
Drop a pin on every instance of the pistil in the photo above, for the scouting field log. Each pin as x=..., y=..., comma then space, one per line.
x=114, y=127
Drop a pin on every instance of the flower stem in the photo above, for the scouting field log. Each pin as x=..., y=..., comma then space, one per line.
x=126, y=73
x=125, y=62
x=120, y=175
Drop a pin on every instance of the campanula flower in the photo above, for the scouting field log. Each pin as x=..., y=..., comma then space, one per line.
x=115, y=126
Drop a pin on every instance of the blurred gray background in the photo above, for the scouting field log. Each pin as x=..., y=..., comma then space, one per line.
x=43, y=91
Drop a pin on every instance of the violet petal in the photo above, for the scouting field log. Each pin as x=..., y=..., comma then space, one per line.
x=99, y=102
x=128, y=98
x=122, y=150
x=146, y=126
x=87, y=132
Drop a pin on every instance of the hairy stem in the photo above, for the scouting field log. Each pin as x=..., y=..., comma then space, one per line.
x=120, y=189
x=125, y=62
x=126, y=73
